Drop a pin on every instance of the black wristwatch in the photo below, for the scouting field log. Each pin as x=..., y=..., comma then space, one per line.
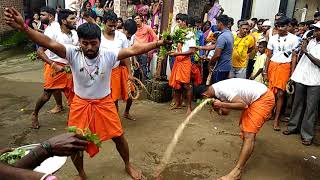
x=47, y=146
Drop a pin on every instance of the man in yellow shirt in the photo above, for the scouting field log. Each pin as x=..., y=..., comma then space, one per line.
x=243, y=45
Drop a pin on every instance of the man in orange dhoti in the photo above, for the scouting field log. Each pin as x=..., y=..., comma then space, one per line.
x=181, y=71
x=121, y=73
x=256, y=102
x=279, y=63
x=55, y=79
x=92, y=107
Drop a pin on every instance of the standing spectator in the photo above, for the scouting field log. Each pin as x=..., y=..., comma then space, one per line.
x=99, y=22
x=130, y=9
x=231, y=23
x=144, y=34
x=266, y=25
x=120, y=24
x=81, y=19
x=316, y=17
x=278, y=66
x=307, y=90
x=243, y=45
x=254, y=22
x=108, y=6
x=87, y=6
x=36, y=23
x=223, y=51
x=211, y=11
x=155, y=10
x=293, y=26
x=98, y=8
x=206, y=30
x=141, y=8
x=259, y=63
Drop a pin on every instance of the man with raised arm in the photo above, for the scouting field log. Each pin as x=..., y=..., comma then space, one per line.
x=92, y=108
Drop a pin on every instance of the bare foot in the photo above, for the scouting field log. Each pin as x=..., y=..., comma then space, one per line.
x=134, y=173
x=176, y=107
x=128, y=116
x=235, y=174
x=172, y=103
x=35, y=122
x=189, y=110
x=56, y=110
x=81, y=176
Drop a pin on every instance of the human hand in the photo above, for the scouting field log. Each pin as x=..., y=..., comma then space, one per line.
x=14, y=19
x=265, y=76
x=67, y=144
x=130, y=77
x=217, y=104
x=57, y=67
x=4, y=150
x=252, y=78
x=304, y=46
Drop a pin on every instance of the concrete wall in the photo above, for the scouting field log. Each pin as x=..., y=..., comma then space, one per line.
x=18, y=4
x=312, y=7
x=263, y=9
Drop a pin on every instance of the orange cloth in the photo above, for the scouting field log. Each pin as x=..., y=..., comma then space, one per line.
x=145, y=34
x=278, y=75
x=60, y=80
x=116, y=83
x=257, y=113
x=181, y=72
x=196, y=75
x=124, y=80
x=99, y=115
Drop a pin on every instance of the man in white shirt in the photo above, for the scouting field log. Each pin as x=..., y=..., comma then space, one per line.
x=256, y=102
x=307, y=90
x=181, y=72
x=121, y=73
x=278, y=64
x=92, y=108
x=55, y=80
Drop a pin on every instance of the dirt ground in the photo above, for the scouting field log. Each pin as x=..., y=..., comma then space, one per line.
x=208, y=148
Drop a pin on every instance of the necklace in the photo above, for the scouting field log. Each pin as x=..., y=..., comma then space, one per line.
x=95, y=69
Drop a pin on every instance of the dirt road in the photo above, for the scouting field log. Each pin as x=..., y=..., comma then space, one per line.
x=208, y=148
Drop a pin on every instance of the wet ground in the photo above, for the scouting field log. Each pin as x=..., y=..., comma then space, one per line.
x=208, y=148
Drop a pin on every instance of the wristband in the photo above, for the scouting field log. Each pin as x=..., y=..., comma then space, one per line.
x=47, y=146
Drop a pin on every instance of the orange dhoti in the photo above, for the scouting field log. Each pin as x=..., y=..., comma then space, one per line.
x=99, y=115
x=60, y=80
x=196, y=75
x=124, y=84
x=181, y=72
x=119, y=79
x=116, y=83
x=278, y=75
x=257, y=113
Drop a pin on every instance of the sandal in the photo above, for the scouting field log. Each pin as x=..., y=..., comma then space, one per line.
x=287, y=132
x=306, y=142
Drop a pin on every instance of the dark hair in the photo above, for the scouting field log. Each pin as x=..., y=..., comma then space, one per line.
x=85, y=4
x=284, y=20
x=254, y=19
x=309, y=23
x=261, y=20
x=302, y=23
x=293, y=22
x=99, y=17
x=317, y=14
x=64, y=14
x=224, y=19
x=89, y=31
x=156, y=26
x=191, y=21
x=199, y=90
x=231, y=21
x=279, y=14
x=198, y=20
x=263, y=43
x=140, y=15
x=90, y=13
x=109, y=16
x=120, y=19
x=131, y=26
x=184, y=18
x=48, y=10
x=178, y=16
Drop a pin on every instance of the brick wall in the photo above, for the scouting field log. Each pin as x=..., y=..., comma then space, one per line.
x=18, y=4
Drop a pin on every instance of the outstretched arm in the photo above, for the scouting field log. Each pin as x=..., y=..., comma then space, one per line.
x=139, y=48
x=14, y=19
